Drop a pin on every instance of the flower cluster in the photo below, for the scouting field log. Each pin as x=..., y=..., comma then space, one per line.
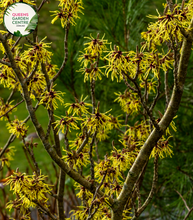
x=29, y=190
x=37, y=53
x=17, y=128
x=168, y=26
x=50, y=98
x=7, y=156
x=79, y=107
x=139, y=64
x=101, y=122
x=76, y=160
x=129, y=102
x=117, y=64
x=68, y=12
x=4, y=108
x=69, y=122
x=90, y=58
x=135, y=136
x=162, y=148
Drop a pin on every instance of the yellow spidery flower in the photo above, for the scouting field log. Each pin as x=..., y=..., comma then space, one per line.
x=93, y=73
x=8, y=156
x=29, y=188
x=51, y=98
x=5, y=107
x=98, y=121
x=129, y=102
x=17, y=128
x=95, y=46
x=76, y=160
x=36, y=84
x=162, y=148
x=38, y=53
x=79, y=107
x=68, y=12
x=86, y=59
x=77, y=142
x=65, y=121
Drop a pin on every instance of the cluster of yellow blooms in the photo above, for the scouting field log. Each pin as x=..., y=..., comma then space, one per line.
x=30, y=190
x=17, y=127
x=140, y=65
x=167, y=27
x=68, y=12
x=4, y=108
x=8, y=156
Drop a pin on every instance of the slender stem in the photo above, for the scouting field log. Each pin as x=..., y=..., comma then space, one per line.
x=65, y=53
x=167, y=91
x=11, y=108
x=153, y=189
x=90, y=155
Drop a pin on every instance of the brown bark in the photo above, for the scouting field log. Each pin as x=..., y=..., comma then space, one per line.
x=155, y=135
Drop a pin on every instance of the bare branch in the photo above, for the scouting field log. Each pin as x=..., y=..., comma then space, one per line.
x=90, y=155
x=84, y=142
x=5, y=63
x=10, y=140
x=65, y=53
x=126, y=83
x=32, y=72
x=155, y=135
x=153, y=189
x=90, y=215
x=42, y=3
x=157, y=94
x=45, y=210
x=183, y=200
x=11, y=108
x=186, y=217
x=170, y=5
x=167, y=91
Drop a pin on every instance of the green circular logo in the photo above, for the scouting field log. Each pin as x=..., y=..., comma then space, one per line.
x=20, y=19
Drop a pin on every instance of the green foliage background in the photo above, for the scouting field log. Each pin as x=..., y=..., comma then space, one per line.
x=109, y=18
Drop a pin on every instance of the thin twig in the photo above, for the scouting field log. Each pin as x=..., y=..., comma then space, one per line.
x=42, y=3
x=153, y=189
x=90, y=155
x=27, y=157
x=66, y=139
x=148, y=111
x=127, y=84
x=185, y=203
x=90, y=215
x=5, y=63
x=84, y=142
x=45, y=210
x=157, y=94
x=11, y=108
x=10, y=140
x=167, y=91
x=31, y=153
x=65, y=53
x=32, y=72
x=170, y=5
x=11, y=94
x=12, y=136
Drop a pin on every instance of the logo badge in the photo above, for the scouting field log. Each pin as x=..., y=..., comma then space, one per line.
x=20, y=19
